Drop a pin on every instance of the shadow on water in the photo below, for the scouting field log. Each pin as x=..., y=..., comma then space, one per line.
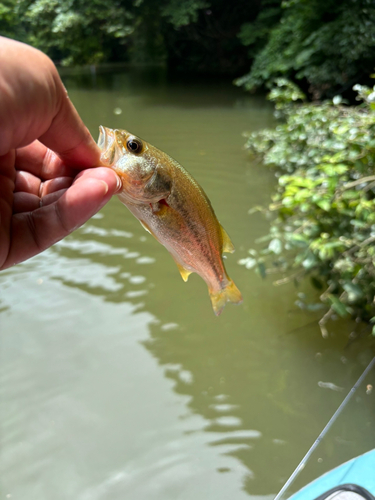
x=156, y=86
x=224, y=407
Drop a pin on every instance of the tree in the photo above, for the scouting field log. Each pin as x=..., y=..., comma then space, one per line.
x=191, y=35
x=326, y=45
x=75, y=31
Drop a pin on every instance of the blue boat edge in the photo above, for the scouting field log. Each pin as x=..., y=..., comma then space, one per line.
x=359, y=470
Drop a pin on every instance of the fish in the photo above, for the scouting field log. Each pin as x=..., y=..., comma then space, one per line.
x=171, y=206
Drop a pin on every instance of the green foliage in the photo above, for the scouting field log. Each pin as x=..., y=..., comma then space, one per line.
x=183, y=13
x=9, y=21
x=202, y=35
x=193, y=35
x=324, y=208
x=326, y=44
x=75, y=31
x=255, y=34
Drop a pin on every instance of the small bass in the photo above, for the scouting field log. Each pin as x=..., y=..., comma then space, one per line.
x=171, y=206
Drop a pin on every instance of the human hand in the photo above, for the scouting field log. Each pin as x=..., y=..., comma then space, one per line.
x=47, y=188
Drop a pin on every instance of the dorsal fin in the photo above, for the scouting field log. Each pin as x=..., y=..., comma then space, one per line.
x=227, y=244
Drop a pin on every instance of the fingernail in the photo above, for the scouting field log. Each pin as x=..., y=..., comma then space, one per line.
x=119, y=185
x=106, y=187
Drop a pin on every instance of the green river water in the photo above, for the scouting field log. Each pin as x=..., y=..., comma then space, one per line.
x=117, y=382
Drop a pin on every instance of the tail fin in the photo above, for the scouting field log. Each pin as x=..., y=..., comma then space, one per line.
x=228, y=294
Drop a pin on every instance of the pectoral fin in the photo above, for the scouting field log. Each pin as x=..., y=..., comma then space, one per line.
x=145, y=226
x=227, y=244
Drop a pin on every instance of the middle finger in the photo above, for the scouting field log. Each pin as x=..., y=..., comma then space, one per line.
x=42, y=162
x=29, y=183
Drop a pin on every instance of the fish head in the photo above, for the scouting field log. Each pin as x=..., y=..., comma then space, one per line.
x=137, y=163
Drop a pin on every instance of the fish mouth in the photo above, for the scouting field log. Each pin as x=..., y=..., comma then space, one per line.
x=108, y=145
x=103, y=137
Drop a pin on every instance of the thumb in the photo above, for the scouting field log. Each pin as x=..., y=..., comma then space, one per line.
x=40, y=229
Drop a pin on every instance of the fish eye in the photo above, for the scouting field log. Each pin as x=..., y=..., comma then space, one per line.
x=134, y=145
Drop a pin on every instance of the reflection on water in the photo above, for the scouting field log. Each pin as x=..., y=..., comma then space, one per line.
x=117, y=380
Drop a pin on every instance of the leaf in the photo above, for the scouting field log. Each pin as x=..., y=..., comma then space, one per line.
x=309, y=262
x=262, y=269
x=324, y=205
x=255, y=209
x=337, y=100
x=275, y=246
x=249, y=262
x=354, y=291
x=315, y=307
x=337, y=305
x=350, y=194
x=358, y=223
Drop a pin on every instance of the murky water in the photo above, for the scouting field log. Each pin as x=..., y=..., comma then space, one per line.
x=116, y=379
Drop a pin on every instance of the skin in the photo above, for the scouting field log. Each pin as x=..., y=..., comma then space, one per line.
x=48, y=187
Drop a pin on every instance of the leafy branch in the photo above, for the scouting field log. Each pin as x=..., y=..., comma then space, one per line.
x=325, y=200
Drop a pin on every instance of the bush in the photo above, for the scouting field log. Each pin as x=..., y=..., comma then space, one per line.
x=325, y=202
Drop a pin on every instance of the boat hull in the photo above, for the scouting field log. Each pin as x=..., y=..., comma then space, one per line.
x=359, y=471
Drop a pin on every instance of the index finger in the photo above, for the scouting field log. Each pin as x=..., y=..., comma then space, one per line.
x=68, y=136
x=40, y=161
